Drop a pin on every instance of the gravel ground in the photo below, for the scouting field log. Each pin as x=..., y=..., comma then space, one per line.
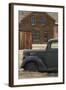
x=27, y=74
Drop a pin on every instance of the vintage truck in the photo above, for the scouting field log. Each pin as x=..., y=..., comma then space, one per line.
x=42, y=60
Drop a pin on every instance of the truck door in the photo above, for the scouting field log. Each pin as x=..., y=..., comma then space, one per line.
x=52, y=55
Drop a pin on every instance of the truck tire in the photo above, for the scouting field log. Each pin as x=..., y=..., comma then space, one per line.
x=31, y=66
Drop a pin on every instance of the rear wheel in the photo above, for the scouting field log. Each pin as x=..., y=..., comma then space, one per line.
x=31, y=66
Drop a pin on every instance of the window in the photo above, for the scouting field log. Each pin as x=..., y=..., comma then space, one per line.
x=45, y=36
x=33, y=21
x=42, y=20
x=39, y=37
x=35, y=37
x=54, y=45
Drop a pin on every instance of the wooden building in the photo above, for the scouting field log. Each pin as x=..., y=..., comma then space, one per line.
x=35, y=28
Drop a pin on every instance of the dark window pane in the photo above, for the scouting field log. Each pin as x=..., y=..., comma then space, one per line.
x=33, y=20
x=45, y=36
x=42, y=20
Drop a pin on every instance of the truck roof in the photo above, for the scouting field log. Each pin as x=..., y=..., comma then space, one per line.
x=53, y=39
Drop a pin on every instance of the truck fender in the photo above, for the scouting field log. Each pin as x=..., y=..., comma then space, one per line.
x=36, y=60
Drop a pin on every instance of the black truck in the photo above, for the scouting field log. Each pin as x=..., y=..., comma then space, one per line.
x=42, y=60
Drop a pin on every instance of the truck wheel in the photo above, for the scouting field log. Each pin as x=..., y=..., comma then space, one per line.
x=31, y=66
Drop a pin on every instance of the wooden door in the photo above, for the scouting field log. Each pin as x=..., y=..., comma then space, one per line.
x=26, y=40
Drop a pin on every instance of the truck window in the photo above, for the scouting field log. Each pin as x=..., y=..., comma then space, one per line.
x=54, y=45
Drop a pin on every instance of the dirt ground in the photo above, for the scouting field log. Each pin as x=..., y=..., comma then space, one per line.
x=26, y=74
